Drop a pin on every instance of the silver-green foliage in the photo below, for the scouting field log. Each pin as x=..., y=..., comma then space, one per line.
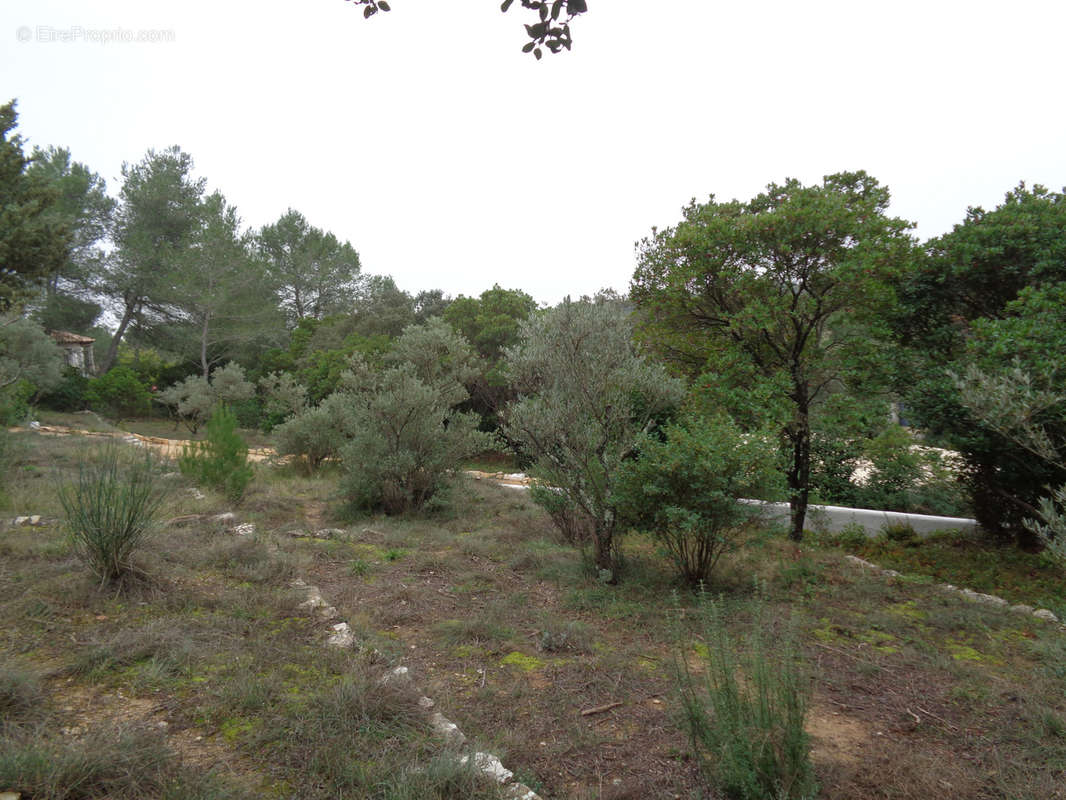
x=745, y=714
x=111, y=508
x=316, y=434
x=27, y=353
x=684, y=489
x=194, y=398
x=1051, y=527
x=1013, y=404
x=406, y=439
x=440, y=356
x=585, y=396
x=406, y=436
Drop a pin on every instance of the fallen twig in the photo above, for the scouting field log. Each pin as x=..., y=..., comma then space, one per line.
x=934, y=716
x=852, y=655
x=599, y=709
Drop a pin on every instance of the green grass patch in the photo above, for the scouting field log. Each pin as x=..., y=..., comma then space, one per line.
x=967, y=561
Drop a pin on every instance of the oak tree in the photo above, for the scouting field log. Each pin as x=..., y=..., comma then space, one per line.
x=782, y=290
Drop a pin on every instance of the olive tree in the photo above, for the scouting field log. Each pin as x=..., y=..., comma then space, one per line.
x=405, y=434
x=585, y=394
x=195, y=398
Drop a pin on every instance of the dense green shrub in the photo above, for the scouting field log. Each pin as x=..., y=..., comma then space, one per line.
x=315, y=434
x=1028, y=410
x=406, y=438
x=684, y=489
x=220, y=461
x=147, y=363
x=119, y=393
x=906, y=477
x=111, y=509
x=15, y=403
x=746, y=720
x=990, y=291
x=30, y=362
x=283, y=398
x=70, y=394
x=249, y=413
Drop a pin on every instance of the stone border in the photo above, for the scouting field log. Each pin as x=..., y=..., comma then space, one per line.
x=33, y=520
x=486, y=763
x=342, y=637
x=969, y=594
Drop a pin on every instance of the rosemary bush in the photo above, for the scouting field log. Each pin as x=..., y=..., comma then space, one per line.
x=746, y=720
x=111, y=508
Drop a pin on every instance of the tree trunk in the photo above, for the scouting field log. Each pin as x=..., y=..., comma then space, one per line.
x=603, y=553
x=116, y=340
x=799, y=471
x=203, y=346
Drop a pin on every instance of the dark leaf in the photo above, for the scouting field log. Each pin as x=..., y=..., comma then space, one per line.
x=506, y=4
x=538, y=31
x=384, y=6
x=557, y=8
x=543, y=10
x=537, y=53
x=528, y=46
x=368, y=12
x=576, y=7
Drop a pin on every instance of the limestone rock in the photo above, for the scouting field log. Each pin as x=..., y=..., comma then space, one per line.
x=862, y=562
x=490, y=766
x=1021, y=608
x=519, y=791
x=342, y=636
x=979, y=597
x=315, y=602
x=446, y=728
x=396, y=674
x=244, y=529
x=1044, y=613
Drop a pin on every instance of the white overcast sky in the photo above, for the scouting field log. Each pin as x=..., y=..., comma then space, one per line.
x=451, y=160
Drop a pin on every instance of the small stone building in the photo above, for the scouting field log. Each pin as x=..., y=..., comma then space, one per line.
x=78, y=351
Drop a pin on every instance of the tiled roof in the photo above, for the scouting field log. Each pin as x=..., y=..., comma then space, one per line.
x=66, y=337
